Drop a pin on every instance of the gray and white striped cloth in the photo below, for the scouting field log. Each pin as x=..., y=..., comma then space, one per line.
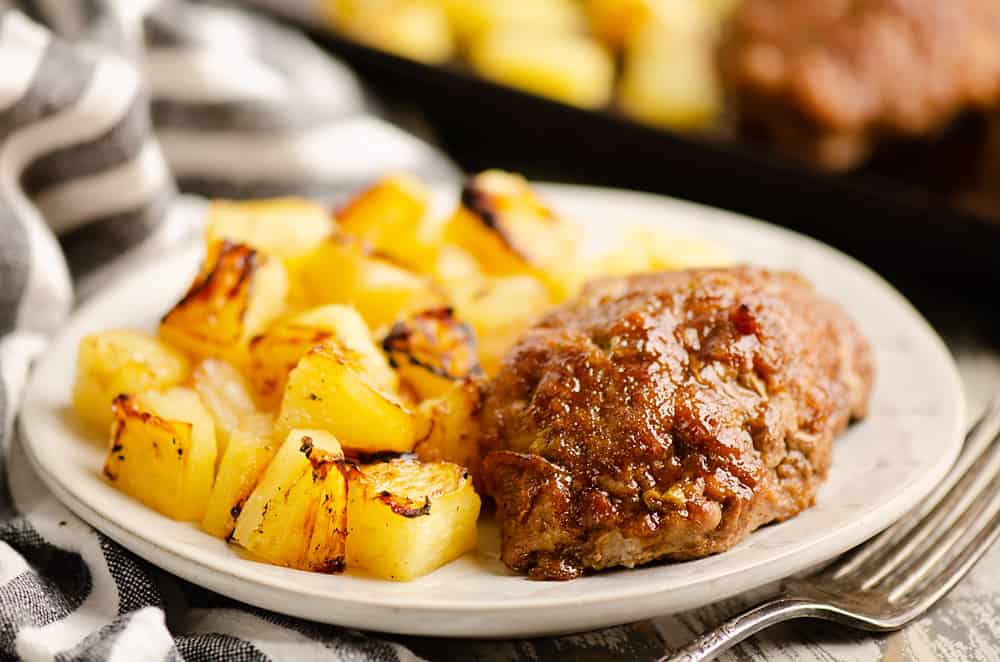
x=107, y=109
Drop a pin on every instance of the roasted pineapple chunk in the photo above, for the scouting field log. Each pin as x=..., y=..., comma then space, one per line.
x=343, y=271
x=618, y=23
x=407, y=518
x=472, y=18
x=416, y=29
x=571, y=68
x=225, y=394
x=276, y=352
x=391, y=216
x=431, y=351
x=238, y=292
x=115, y=362
x=287, y=228
x=249, y=450
x=297, y=514
x=449, y=426
x=499, y=311
x=646, y=249
x=615, y=22
x=163, y=451
x=510, y=231
x=670, y=83
x=330, y=390
x=455, y=268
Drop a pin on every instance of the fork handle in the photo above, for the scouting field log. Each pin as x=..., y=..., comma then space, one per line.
x=741, y=627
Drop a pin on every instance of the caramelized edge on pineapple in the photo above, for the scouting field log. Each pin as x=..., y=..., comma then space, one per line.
x=400, y=503
x=124, y=408
x=484, y=196
x=216, y=281
x=436, y=341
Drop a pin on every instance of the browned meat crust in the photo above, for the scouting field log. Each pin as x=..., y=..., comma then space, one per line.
x=825, y=78
x=667, y=416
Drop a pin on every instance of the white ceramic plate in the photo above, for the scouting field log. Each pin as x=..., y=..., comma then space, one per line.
x=881, y=467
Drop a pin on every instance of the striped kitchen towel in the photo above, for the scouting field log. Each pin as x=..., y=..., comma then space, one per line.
x=107, y=109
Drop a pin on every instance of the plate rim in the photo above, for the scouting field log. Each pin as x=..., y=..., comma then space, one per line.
x=883, y=516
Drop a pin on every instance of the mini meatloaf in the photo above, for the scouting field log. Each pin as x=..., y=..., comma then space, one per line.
x=666, y=416
x=825, y=79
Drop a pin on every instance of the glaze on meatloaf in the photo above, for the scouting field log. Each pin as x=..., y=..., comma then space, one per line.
x=666, y=416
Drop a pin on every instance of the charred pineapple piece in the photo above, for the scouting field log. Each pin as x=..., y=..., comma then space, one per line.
x=407, y=518
x=330, y=390
x=297, y=514
x=449, y=426
x=115, y=362
x=391, y=216
x=431, y=351
x=276, y=352
x=249, y=451
x=238, y=292
x=287, y=228
x=510, y=231
x=163, y=451
x=343, y=271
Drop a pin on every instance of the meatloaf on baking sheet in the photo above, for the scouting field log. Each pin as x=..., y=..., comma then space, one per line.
x=826, y=78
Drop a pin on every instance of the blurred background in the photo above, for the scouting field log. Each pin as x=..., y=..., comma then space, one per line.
x=870, y=125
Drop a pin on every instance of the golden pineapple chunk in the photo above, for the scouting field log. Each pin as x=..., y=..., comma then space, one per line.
x=276, y=352
x=251, y=447
x=391, y=216
x=236, y=295
x=287, y=228
x=407, y=518
x=163, y=451
x=449, y=427
x=571, y=68
x=671, y=83
x=431, y=351
x=343, y=271
x=472, y=18
x=226, y=395
x=455, y=268
x=509, y=230
x=330, y=390
x=645, y=249
x=114, y=362
x=499, y=312
x=615, y=22
x=416, y=29
x=297, y=514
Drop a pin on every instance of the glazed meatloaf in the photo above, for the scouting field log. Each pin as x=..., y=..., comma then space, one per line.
x=666, y=416
x=826, y=79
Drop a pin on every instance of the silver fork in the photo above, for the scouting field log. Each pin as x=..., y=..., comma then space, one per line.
x=895, y=577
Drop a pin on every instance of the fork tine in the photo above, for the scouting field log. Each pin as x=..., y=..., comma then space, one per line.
x=882, y=554
x=954, y=571
x=963, y=495
x=908, y=575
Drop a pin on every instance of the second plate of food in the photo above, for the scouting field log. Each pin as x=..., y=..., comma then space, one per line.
x=881, y=466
